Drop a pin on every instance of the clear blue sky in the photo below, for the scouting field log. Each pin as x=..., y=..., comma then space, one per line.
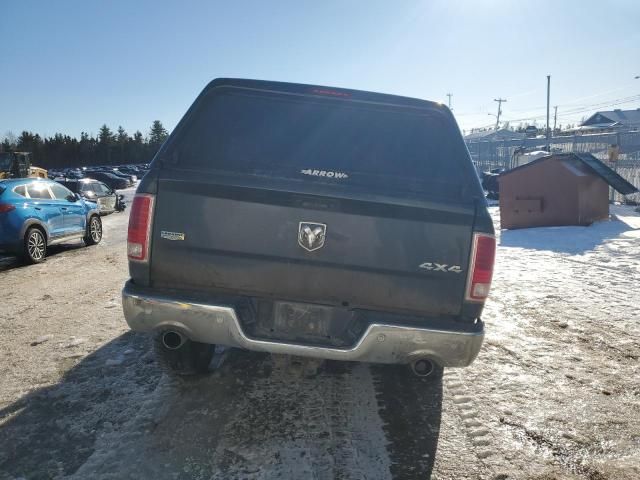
x=73, y=65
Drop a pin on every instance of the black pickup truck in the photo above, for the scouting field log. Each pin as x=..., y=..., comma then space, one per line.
x=311, y=221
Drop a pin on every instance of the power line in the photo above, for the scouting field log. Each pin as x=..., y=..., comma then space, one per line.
x=576, y=101
x=583, y=109
x=597, y=106
x=573, y=103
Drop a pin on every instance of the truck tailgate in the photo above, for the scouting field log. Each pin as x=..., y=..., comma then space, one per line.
x=399, y=257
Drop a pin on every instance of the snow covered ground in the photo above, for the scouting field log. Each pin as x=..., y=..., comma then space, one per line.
x=557, y=381
x=553, y=394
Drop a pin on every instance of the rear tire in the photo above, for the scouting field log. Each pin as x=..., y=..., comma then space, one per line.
x=192, y=358
x=94, y=231
x=34, y=246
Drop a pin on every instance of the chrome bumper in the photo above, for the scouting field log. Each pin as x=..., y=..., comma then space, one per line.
x=218, y=324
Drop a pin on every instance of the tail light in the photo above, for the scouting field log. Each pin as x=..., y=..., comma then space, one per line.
x=6, y=207
x=140, y=223
x=483, y=255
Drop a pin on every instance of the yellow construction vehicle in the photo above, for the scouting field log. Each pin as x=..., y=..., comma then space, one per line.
x=18, y=165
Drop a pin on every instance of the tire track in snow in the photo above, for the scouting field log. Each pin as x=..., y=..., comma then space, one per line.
x=251, y=421
x=477, y=431
x=324, y=427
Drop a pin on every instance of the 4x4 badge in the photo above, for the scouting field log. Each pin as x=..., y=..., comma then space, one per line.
x=311, y=235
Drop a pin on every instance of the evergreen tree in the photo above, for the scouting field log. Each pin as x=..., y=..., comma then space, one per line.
x=157, y=135
x=105, y=137
x=28, y=142
x=122, y=136
x=61, y=151
x=86, y=147
x=122, y=140
x=6, y=145
x=137, y=148
x=9, y=142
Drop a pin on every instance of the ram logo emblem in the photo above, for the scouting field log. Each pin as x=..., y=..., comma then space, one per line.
x=311, y=235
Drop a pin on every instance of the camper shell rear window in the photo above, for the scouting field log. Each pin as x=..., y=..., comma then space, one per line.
x=377, y=146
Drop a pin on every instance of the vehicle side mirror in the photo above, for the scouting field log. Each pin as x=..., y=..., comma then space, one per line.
x=74, y=197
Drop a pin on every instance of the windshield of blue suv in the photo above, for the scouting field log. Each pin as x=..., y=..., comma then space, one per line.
x=379, y=147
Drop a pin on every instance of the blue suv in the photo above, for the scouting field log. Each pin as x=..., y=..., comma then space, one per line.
x=36, y=213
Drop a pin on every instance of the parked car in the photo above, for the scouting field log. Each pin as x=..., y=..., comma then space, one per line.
x=37, y=213
x=72, y=173
x=132, y=170
x=113, y=181
x=113, y=171
x=311, y=221
x=129, y=176
x=96, y=191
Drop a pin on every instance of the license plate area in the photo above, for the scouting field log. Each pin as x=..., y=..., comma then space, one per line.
x=301, y=323
x=302, y=318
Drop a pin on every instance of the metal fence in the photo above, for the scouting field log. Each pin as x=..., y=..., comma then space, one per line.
x=489, y=154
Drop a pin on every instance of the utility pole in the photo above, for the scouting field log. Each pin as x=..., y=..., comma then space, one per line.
x=500, y=101
x=555, y=117
x=449, y=95
x=548, y=98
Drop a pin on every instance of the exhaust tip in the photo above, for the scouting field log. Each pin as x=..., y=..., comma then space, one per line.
x=173, y=340
x=423, y=367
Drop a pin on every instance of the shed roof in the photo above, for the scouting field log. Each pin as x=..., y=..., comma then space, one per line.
x=596, y=166
x=611, y=117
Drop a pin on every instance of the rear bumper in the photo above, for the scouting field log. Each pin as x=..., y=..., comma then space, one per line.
x=147, y=311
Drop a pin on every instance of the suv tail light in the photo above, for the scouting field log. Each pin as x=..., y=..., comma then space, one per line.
x=6, y=207
x=140, y=223
x=483, y=255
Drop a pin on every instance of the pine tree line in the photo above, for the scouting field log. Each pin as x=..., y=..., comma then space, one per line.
x=108, y=148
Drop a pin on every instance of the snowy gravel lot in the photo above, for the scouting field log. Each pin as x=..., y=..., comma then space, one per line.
x=555, y=392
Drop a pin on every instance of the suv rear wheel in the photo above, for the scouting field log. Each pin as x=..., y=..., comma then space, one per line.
x=179, y=356
x=35, y=246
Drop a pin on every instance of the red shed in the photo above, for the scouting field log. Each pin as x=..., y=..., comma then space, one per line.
x=559, y=189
